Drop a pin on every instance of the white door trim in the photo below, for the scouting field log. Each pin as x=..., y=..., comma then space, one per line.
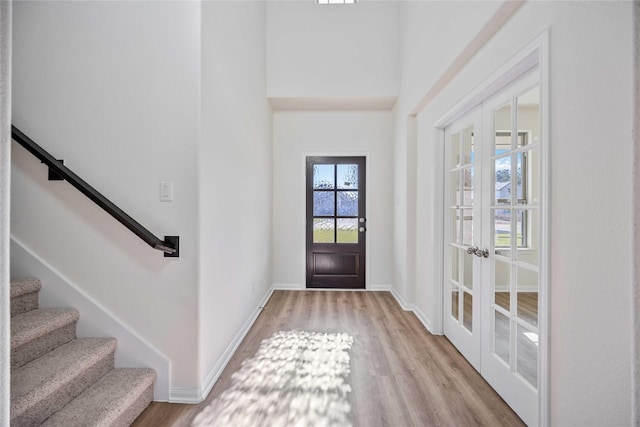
x=536, y=53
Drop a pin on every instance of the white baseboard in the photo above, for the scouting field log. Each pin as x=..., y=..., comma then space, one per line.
x=96, y=321
x=193, y=396
x=414, y=309
x=288, y=286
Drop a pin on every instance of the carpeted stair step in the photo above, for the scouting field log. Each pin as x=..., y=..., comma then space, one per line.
x=24, y=295
x=116, y=400
x=42, y=387
x=37, y=332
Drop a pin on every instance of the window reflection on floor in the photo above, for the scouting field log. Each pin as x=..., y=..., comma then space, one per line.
x=295, y=378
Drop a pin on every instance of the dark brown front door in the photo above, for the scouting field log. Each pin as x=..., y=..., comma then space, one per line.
x=336, y=222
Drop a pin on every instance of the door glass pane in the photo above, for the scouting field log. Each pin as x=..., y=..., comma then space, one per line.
x=467, y=186
x=455, y=150
x=521, y=171
x=467, y=227
x=455, y=264
x=467, y=311
x=529, y=221
x=527, y=287
x=455, y=190
x=468, y=269
x=323, y=177
x=502, y=228
x=502, y=122
x=530, y=178
x=529, y=117
x=323, y=230
x=502, y=176
x=347, y=230
x=454, y=301
x=527, y=355
x=347, y=203
x=502, y=284
x=348, y=177
x=521, y=218
x=456, y=237
x=323, y=203
x=501, y=336
x=467, y=146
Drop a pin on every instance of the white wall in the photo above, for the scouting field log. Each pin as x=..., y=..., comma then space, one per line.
x=301, y=133
x=591, y=151
x=235, y=193
x=113, y=88
x=5, y=176
x=319, y=51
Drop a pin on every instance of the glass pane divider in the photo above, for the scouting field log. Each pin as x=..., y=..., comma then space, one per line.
x=523, y=149
x=520, y=321
x=501, y=310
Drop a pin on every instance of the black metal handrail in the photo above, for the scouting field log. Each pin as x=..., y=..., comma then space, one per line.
x=170, y=246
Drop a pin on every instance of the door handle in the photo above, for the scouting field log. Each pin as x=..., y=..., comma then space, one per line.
x=478, y=252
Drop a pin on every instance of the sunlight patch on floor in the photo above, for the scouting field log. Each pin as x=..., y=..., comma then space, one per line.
x=297, y=378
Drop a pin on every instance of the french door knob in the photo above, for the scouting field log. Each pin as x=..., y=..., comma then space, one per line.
x=478, y=252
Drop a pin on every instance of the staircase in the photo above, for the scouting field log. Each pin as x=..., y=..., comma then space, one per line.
x=60, y=380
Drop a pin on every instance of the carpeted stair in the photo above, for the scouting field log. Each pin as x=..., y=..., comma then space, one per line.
x=60, y=380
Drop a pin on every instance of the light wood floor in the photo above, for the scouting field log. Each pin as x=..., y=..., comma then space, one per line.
x=401, y=375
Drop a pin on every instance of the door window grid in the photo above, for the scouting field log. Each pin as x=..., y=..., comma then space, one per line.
x=335, y=203
x=461, y=207
x=521, y=334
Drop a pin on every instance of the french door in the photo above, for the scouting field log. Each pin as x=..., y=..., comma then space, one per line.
x=336, y=222
x=493, y=240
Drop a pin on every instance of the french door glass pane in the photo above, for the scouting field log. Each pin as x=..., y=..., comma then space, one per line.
x=455, y=264
x=467, y=227
x=527, y=355
x=502, y=122
x=467, y=186
x=531, y=227
x=323, y=203
x=467, y=146
x=455, y=150
x=347, y=177
x=502, y=177
x=527, y=288
x=347, y=203
x=467, y=311
x=501, y=346
x=347, y=230
x=468, y=270
x=455, y=301
x=502, y=284
x=323, y=177
x=323, y=230
x=531, y=178
x=529, y=115
x=502, y=228
x=456, y=236
x=455, y=189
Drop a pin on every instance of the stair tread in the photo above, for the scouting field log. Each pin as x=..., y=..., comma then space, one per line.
x=40, y=378
x=104, y=402
x=34, y=324
x=24, y=285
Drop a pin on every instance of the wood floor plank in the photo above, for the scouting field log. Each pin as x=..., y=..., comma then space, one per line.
x=401, y=375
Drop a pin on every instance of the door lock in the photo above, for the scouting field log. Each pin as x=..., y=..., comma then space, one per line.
x=478, y=252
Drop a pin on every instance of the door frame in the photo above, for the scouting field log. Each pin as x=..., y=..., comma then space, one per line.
x=367, y=192
x=535, y=54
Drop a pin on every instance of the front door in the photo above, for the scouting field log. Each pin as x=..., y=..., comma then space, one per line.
x=336, y=222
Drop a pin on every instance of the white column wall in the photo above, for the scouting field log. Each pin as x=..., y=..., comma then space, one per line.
x=235, y=162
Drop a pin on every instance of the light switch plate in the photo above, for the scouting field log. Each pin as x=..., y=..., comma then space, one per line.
x=166, y=191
